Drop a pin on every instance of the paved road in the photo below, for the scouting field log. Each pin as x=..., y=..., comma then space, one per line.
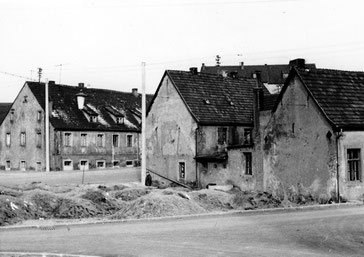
x=121, y=175
x=330, y=232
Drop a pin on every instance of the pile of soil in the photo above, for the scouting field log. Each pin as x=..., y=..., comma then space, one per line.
x=40, y=201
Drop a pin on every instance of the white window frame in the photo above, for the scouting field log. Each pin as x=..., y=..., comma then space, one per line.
x=23, y=167
x=7, y=167
x=102, y=140
x=118, y=163
x=68, y=142
x=39, y=115
x=179, y=172
x=23, y=139
x=8, y=139
x=84, y=167
x=100, y=161
x=117, y=142
x=83, y=138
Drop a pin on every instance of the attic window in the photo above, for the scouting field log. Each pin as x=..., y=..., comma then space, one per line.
x=93, y=118
x=206, y=101
x=119, y=120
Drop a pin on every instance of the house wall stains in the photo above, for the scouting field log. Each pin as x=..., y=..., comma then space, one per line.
x=351, y=189
x=170, y=135
x=299, y=153
x=22, y=141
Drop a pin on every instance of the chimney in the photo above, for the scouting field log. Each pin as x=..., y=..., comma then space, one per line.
x=203, y=67
x=135, y=92
x=81, y=96
x=51, y=82
x=81, y=85
x=242, y=65
x=298, y=63
x=193, y=70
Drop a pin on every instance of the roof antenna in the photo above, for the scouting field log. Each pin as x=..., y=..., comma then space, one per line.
x=40, y=70
x=60, y=70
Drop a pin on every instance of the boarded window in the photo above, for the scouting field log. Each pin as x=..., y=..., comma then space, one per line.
x=115, y=140
x=22, y=138
x=221, y=136
x=248, y=163
x=354, y=170
x=83, y=140
x=100, y=140
x=129, y=140
x=67, y=139
x=8, y=139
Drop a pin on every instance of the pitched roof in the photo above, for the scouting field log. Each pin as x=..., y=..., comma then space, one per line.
x=66, y=115
x=339, y=94
x=4, y=109
x=214, y=99
x=270, y=73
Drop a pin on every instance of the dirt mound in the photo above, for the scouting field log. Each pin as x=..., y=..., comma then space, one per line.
x=157, y=204
x=255, y=200
x=131, y=194
x=213, y=200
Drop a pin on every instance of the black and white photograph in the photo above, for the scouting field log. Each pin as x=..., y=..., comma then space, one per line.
x=162, y=128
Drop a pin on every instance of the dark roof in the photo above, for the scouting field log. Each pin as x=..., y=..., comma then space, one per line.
x=66, y=115
x=339, y=94
x=4, y=109
x=270, y=73
x=269, y=101
x=214, y=99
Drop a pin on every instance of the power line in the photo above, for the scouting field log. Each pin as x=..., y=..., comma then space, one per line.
x=16, y=75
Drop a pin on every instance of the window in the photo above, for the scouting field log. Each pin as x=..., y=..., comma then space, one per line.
x=129, y=163
x=12, y=112
x=8, y=165
x=248, y=163
x=354, y=170
x=22, y=138
x=23, y=165
x=129, y=140
x=93, y=118
x=84, y=165
x=8, y=139
x=100, y=140
x=248, y=140
x=221, y=136
x=182, y=170
x=39, y=115
x=67, y=164
x=115, y=140
x=83, y=140
x=68, y=139
x=39, y=139
x=119, y=120
x=116, y=163
x=100, y=164
x=38, y=166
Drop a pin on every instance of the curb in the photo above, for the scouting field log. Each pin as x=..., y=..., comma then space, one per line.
x=191, y=216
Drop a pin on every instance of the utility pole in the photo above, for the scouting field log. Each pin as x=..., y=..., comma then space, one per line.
x=144, y=167
x=47, y=125
x=60, y=71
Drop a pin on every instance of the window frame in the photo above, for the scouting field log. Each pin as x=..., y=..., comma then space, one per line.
x=83, y=139
x=248, y=136
x=7, y=167
x=180, y=171
x=23, y=138
x=102, y=136
x=353, y=176
x=103, y=164
x=68, y=136
x=38, y=139
x=222, y=133
x=8, y=139
x=117, y=140
x=21, y=167
x=131, y=141
x=248, y=163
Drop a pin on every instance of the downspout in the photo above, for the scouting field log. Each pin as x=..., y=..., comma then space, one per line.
x=197, y=180
x=338, y=135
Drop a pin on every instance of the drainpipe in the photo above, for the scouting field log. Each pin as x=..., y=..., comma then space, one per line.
x=47, y=126
x=338, y=135
x=197, y=180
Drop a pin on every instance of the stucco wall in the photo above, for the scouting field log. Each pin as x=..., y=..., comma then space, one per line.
x=25, y=120
x=298, y=154
x=170, y=134
x=91, y=152
x=350, y=189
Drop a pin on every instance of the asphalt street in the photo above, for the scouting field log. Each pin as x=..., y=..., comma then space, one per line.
x=324, y=232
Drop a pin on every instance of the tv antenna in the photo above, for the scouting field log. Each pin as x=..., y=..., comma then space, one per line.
x=60, y=70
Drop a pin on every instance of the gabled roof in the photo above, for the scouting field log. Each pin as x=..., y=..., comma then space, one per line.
x=339, y=95
x=4, y=109
x=270, y=73
x=214, y=99
x=65, y=114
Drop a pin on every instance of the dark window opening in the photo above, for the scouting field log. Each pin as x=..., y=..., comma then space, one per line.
x=115, y=140
x=248, y=139
x=354, y=169
x=182, y=170
x=221, y=136
x=248, y=164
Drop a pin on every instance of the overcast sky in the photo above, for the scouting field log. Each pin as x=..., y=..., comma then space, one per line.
x=103, y=42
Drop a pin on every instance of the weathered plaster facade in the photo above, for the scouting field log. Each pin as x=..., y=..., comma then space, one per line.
x=350, y=140
x=170, y=135
x=299, y=146
x=22, y=134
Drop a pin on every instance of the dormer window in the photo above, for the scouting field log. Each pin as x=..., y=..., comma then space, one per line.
x=93, y=118
x=119, y=120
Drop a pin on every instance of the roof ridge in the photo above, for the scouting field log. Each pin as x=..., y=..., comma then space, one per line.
x=333, y=70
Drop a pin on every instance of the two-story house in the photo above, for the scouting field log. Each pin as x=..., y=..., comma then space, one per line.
x=89, y=128
x=201, y=129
